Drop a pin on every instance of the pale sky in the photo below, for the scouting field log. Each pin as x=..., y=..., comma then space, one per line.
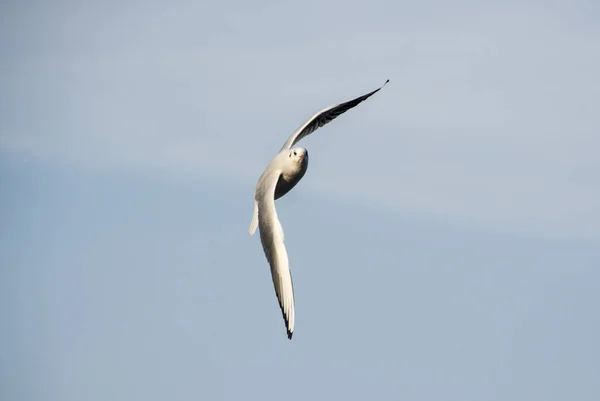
x=444, y=243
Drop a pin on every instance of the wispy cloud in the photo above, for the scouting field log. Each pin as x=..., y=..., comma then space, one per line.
x=489, y=119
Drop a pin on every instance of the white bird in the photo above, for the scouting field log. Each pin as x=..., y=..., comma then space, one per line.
x=281, y=175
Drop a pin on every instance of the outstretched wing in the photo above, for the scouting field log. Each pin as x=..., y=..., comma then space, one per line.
x=325, y=116
x=271, y=237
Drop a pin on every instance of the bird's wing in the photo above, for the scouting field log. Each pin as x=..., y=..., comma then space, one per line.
x=271, y=237
x=325, y=116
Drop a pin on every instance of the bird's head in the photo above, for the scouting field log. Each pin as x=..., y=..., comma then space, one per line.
x=298, y=155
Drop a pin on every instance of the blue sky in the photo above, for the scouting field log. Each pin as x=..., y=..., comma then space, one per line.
x=444, y=244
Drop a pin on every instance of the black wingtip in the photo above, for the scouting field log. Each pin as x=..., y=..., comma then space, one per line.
x=385, y=83
x=287, y=323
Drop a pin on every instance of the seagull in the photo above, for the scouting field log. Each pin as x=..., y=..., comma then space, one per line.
x=281, y=175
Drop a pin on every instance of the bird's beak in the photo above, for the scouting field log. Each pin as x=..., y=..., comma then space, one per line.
x=301, y=156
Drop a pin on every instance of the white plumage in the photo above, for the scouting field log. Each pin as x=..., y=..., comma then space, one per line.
x=285, y=170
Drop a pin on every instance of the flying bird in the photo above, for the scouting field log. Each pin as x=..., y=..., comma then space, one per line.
x=281, y=175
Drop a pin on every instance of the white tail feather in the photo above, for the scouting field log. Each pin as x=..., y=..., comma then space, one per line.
x=254, y=222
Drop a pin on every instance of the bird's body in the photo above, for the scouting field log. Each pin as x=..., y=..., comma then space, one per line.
x=281, y=175
x=289, y=179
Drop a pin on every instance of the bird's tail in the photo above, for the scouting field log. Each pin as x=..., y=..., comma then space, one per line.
x=254, y=222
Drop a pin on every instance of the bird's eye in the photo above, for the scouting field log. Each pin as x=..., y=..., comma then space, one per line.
x=294, y=153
